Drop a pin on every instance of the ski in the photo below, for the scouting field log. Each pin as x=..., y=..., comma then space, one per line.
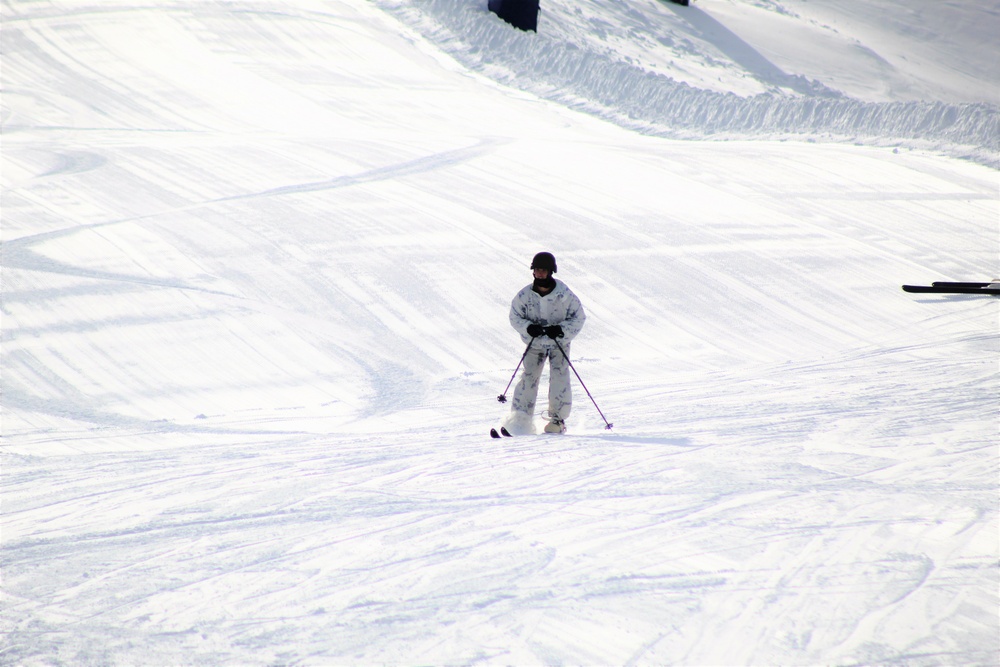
x=494, y=434
x=970, y=285
x=943, y=289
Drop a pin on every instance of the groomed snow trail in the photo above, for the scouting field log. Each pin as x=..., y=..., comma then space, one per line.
x=256, y=268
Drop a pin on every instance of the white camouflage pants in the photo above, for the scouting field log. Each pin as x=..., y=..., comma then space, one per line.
x=560, y=392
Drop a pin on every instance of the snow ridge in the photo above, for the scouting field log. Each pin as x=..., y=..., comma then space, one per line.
x=560, y=70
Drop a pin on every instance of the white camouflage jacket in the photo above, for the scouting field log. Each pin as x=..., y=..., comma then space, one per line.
x=560, y=306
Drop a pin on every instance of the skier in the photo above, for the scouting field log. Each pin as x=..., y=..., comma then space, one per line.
x=544, y=312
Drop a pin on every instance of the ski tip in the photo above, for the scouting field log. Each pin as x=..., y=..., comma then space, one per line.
x=506, y=433
x=493, y=433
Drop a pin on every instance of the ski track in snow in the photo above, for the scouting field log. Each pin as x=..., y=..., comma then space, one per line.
x=257, y=262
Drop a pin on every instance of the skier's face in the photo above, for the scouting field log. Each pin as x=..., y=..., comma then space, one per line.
x=540, y=274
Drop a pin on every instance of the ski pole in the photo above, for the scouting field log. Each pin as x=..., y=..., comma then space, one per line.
x=607, y=425
x=503, y=397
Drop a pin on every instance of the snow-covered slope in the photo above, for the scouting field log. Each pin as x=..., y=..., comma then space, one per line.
x=257, y=259
x=887, y=51
x=725, y=69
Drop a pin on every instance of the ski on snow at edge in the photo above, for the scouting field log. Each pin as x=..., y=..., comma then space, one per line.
x=953, y=288
x=946, y=284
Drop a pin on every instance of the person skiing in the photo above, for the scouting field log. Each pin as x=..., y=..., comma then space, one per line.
x=548, y=316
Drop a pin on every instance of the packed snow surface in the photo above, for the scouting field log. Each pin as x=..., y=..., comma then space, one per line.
x=257, y=261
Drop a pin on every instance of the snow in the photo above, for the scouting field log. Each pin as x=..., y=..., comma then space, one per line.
x=257, y=259
x=582, y=63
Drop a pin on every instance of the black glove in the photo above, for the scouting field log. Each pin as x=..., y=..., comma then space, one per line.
x=554, y=331
x=535, y=330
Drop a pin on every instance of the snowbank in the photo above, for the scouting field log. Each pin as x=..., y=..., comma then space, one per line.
x=566, y=68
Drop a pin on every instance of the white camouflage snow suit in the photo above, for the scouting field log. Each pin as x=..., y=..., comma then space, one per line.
x=562, y=307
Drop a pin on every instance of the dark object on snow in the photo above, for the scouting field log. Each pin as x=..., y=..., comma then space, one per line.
x=955, y=288
x=521, y=14
x=945, y=284
x=680, y=2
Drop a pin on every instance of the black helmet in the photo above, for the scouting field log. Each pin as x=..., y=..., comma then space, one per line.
x=544, y=260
